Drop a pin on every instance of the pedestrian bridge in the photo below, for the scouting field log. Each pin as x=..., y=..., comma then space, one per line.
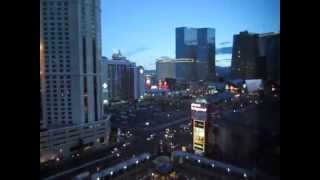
x=212, y=163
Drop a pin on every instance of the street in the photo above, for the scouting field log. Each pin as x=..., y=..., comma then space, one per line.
x=147, y=133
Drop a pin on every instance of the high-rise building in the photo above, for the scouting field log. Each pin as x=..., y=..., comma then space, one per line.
x=104, y=81
x=119, y=81
x=182, y=69
x=269, y=46
x=42, y=70
x=150, y=78
x=185, y=69
x=71, y=95
x=139, y=82
x=244, y=53
x=165, y=68
x=256, y=56
x=42, y=120
x=198, y=44
x=71, y=39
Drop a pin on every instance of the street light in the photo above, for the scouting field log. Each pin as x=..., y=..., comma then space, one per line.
x=245, y=175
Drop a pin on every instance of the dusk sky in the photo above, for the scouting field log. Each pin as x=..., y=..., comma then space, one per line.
x=145, y=29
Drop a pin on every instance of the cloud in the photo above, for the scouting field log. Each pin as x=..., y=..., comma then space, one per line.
x=225, y=42
x=138, y=50
x=224, y=50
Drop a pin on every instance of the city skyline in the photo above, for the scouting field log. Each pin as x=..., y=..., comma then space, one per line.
x=104, y=116
x=132, y=33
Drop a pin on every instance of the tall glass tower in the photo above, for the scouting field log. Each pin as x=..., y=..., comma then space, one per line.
x=198, y=44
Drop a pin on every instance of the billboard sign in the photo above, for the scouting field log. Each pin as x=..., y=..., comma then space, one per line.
x=198, y=107
x=199, y=136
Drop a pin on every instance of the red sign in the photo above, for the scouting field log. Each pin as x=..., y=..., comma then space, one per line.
x=163, y=85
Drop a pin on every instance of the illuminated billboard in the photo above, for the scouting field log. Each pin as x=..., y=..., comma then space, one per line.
x=199, y=136
x=198, y=107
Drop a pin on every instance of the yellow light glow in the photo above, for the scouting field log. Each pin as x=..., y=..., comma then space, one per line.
x=199, y=136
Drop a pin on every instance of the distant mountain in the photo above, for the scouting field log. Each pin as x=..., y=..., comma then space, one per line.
x=152, y=71
x=223, y=71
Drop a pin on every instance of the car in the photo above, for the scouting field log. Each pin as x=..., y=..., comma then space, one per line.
x=114, y=150
x=126, y=144
x=83, y=175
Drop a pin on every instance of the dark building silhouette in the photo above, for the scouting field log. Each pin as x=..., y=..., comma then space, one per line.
x=244, y=53
x=256, y=56
x=198, y=44
x=269, y=46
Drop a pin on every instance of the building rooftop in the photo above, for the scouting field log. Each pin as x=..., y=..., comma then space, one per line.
x=260, y=35
x=213, y=163
x=185, y=27
x=265, y=117
x=247, y=33
x=118, y=61
x=269, y=34
x=145, y=169
x=118, y=56
x=122, y=166
x=172, y=60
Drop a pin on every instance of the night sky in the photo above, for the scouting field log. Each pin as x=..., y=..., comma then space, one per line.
x=145, y=29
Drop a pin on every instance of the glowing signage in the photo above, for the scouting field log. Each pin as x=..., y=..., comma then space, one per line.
x=197, y=107
x=154, y=87
x=163, y=85
x=198, y=136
